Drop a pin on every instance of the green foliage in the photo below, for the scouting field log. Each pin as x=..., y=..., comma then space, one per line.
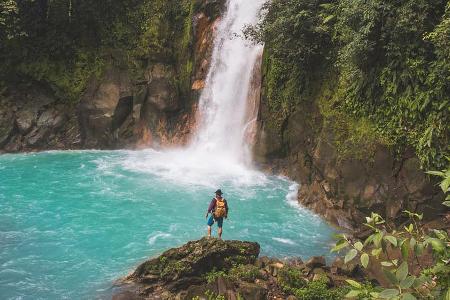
x=244, y=272
x=319, y=290
x=445, y=182
x=239, y=272
x=292, y=31
x=291, y=279
x=390, y=61
x=210, y=296
x=411, y=242
x=64, y=42
x=214, y=274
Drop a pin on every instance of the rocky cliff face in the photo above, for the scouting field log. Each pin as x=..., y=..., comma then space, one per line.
x=153, y=105
x=342, y=188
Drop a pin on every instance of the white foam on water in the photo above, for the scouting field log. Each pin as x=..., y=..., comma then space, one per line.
x=152, y=240
x=292, y=196
x=188, y=168
x=284, y=241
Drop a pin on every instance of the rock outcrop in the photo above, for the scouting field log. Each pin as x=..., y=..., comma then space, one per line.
x=32, y=118
x=342, y=188
x=183, y=269
x=210, y=267
x=123, y=107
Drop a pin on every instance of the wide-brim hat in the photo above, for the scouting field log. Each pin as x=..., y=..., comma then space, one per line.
x=219, y=192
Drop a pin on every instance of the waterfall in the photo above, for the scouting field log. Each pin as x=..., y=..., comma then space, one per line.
x=227, y=103
x=220, y=150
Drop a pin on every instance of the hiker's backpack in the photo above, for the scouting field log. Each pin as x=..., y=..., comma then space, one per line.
x=220, y=210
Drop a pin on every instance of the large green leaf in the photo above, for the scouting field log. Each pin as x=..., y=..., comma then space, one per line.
x=365, y=260
x=358, y=246
x=407, y=282
x=390, y=276
x=436, y=244
x=388, y=293
x=408, y=296
x=376, y=252
x=369, y=239
x=353, y=283
x=436, y=173
x=402, y=271
x=445, y=184
x=405, y=250
x=377, y=239
x=350, y=255
x=352, y=294
x=418, y=249
x=412, y=242
x=340, y=245
x=328, y=19
x=391, y=239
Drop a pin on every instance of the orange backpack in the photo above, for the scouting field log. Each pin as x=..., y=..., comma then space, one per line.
x=220, y=210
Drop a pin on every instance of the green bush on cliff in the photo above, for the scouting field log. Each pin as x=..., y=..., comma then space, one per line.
x=405, y=272
x=63, y=43
x=319, y=290
x=388, y=63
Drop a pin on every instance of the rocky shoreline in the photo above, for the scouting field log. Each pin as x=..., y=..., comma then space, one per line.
x=210, y=268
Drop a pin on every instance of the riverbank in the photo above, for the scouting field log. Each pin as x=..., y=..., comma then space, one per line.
x=210, y=268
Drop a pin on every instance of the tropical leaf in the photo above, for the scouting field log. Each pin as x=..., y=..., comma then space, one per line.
x=391, y=239
x=376, y=252
x=340, y=245
x=352, y=294
x=445, y=184
x=353, y=283
x=436, y=173
x=418, y=249
x=358, y=246
x=412, y=242
x=365, y=260
x=388, y=293
x=405, y=250
x=328, y=19
x=407, y=282
x=350, y=255
x=402, y=271
x=390, y=276
x=408, y=296
x=436, y=244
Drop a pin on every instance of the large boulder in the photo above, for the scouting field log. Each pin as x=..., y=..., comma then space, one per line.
x=181, y=267
x=33, y=118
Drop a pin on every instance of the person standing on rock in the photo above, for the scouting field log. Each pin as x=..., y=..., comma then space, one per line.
x=219, y=210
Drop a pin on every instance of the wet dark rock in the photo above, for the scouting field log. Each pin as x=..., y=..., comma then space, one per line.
x=251, y=291
x=208, y=268
x=6, y=126
x=25, y=119
x=315, y=262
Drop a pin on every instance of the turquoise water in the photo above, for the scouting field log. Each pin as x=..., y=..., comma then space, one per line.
x=72, y=222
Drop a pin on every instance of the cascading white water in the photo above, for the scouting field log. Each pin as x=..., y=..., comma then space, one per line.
x=223, y=103
x=219, y=151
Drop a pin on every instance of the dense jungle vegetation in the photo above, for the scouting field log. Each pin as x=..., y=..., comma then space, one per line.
x=64, y=42
x=384, y=67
